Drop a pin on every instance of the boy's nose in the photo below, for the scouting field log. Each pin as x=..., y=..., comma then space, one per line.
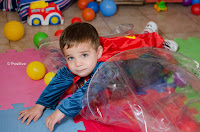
x=78, y=63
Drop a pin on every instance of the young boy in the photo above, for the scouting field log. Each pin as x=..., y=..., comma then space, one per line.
x=81, y=47
x=84, y=54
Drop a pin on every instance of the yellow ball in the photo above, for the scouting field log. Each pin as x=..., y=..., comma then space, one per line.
x=35, y=70
x=48, y=77
x=13, y=30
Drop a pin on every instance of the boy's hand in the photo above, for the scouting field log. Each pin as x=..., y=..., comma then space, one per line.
x=54, y=118
x=33, y=113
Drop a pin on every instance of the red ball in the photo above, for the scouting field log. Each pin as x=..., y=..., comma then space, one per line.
x=58, y=33
x=75, y=19
x=82, y=4
x=189, y=126
x=195, y=9
x=88, y=14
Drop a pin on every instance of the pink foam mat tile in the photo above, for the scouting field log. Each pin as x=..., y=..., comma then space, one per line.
x=16, y=86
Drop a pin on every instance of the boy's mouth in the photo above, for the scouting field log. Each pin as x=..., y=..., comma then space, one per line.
x=80, y=70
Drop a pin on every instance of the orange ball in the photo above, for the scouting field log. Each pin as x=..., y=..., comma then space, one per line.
x=90, y=1
x=88, y=14
x=82, y=4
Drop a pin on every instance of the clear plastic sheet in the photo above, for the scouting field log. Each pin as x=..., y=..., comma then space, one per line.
x=154, y=88
x=121, y=30
x=52, y=56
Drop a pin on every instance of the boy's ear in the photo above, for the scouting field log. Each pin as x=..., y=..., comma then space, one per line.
x=99, y=51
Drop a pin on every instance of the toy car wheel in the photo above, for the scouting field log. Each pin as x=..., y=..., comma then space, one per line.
x=36, y=22
x=54, y=20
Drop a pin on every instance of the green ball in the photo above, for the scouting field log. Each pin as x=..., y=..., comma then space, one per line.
x=38, y=37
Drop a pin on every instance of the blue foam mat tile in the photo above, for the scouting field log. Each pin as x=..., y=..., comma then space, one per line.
x=10, y=123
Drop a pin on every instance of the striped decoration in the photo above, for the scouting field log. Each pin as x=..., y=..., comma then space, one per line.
x=9, y=5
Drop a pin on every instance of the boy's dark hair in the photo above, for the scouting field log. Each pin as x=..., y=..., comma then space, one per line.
x=78, y=33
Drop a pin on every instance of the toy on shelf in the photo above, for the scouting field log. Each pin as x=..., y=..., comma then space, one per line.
x=160, y=6
x=13, y=30
x=44, y=13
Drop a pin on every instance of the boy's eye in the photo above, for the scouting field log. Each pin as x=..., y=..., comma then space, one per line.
x=84, y=55
x=70, y=58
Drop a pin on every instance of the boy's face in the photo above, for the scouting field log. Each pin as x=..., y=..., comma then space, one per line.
x=82, y=59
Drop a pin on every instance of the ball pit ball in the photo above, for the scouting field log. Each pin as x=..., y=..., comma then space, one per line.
x=48, y=77
x=35, y=70
x=76, y=19
x=189, y=126
x=108, y=7
x=195, y=2
x=90, y=0
x=195, y=9
x=58, y=33
x=88, y=14
x=186, y=124
x=187, y=2
x=38, y=37
x=13, y=30
x=94, y=6
x=82, y=4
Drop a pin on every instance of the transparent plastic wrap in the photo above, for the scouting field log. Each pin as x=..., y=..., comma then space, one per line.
x=121, y=30
x=154, y=88
x=52, y=56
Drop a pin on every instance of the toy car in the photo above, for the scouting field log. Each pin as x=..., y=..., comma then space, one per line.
x=44, y=13
x=160, y=6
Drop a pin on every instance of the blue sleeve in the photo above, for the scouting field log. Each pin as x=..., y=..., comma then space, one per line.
x=58, y=85
x=73, y=105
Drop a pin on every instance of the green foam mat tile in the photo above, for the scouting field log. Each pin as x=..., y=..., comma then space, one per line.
x=189, y=47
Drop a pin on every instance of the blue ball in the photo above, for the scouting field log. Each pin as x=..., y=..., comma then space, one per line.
x=195, y=2
x=108, y=7
x=94, y=6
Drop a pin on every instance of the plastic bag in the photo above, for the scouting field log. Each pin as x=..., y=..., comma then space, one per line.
x=121, y=30
x=148, y=87
x=52, y=56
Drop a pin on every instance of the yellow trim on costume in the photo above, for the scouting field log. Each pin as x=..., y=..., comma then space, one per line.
x=130, y=37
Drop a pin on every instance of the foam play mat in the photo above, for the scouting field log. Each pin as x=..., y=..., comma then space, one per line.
x=19, y=92
x=189, y=47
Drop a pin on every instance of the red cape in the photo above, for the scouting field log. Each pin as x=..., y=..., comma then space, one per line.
x=113, y=46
